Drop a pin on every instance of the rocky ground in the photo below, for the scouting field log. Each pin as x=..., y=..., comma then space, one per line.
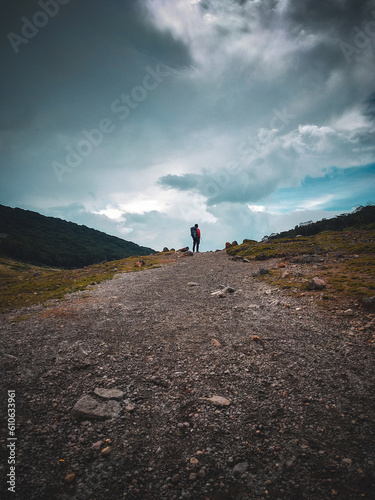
x=242, y=394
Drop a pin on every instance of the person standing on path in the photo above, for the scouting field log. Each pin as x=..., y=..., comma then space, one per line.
x=196, y=235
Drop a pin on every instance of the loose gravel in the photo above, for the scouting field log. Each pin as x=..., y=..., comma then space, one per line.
x=242, y=394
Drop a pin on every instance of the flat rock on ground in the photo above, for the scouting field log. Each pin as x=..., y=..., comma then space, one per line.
x=300, y=382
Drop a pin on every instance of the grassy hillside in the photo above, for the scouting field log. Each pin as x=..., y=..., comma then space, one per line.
x=360, y=218
x=345, y=260
x=48, y=241
x=22, y=285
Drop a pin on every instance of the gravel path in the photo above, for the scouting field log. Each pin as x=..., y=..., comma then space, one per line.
x=299, y=383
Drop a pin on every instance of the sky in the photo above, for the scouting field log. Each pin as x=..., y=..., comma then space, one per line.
x=141, y=118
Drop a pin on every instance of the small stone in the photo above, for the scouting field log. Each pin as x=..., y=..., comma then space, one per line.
x=316, y=284
x=130, y=407
x=106, y=451
x=216, y=342
x=193, y=476
x=192, y=283
x=97, y=445
x=109, y=393
x=187, y=254
x=194, y=461
x=176, y=478
x=70, y=478
x=218, y=401
x=348, y=312
x=347, y=461
x=240, y=468
x=202, y=472
x=88, y=408
x=369, y=302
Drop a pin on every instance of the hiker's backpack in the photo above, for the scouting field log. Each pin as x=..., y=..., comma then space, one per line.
x=193, y=232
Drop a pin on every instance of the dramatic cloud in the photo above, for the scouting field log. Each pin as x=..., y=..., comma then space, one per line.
x=142, y=118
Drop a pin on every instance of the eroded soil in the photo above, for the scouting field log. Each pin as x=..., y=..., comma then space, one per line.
x=300, y=382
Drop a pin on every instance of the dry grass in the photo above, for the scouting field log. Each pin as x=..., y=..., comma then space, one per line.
x=344, y=260
x=22, y=285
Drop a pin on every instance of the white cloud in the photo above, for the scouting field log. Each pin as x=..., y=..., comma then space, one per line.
x=230, y=37
x=316, y=203
x=111, y=213
x=258, y=84
x=257, y=208
x=351, y=119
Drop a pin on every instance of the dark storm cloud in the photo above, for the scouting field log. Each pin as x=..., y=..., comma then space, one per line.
x=370, y=106
x=265, y=85
x=226, y=185
x=328, y=15
x=81, y=59
x=181, y=182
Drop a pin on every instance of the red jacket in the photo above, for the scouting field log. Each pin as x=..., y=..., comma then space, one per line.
x=198, y=233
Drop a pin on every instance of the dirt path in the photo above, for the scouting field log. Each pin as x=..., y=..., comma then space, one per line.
x=300, y=423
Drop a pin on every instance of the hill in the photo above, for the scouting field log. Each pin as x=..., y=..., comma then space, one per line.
x=345, y=260
x=360, y=218
x=31, y=237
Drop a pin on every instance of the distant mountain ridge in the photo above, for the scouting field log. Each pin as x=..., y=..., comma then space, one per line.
x=48, y=241
x=360, y=218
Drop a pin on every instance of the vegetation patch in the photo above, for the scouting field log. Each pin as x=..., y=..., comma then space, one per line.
x=345, y=260
x=22, y=285
x=47, y=241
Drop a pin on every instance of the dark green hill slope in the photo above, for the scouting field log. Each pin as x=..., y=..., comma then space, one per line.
x=48, y=241
x=360, y=218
